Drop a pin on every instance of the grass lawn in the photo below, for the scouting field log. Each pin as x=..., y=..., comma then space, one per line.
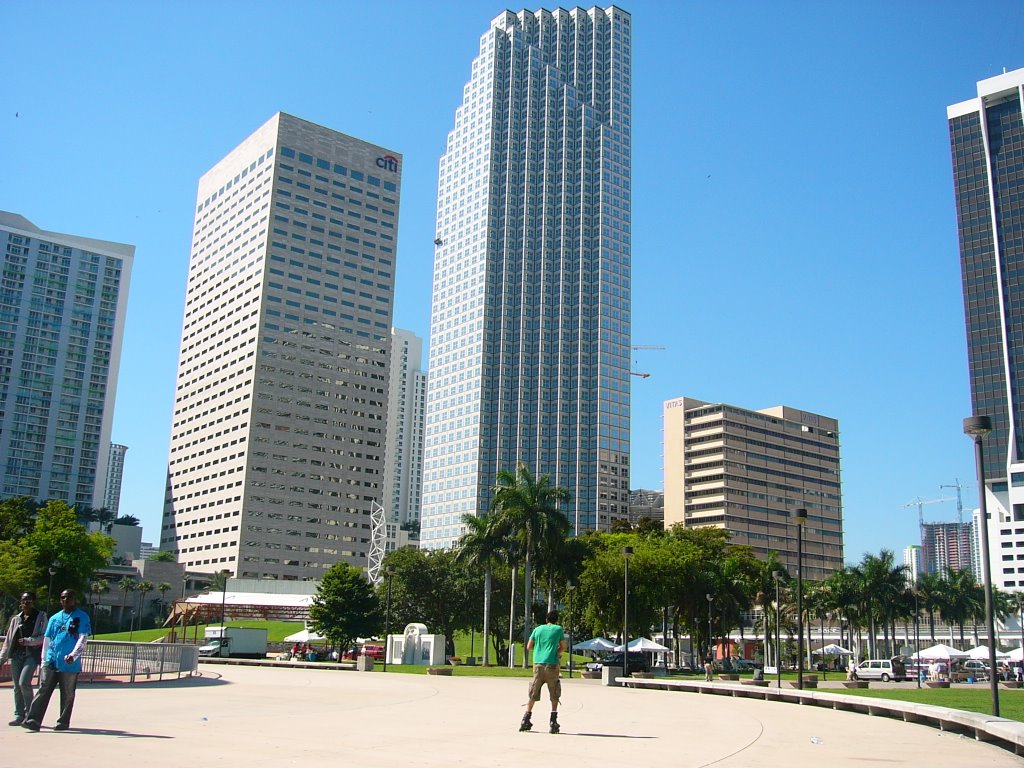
x=979, y=699
x=277, y=631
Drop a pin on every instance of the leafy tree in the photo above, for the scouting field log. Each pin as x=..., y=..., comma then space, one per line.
x=345, y=606
x=16, y=516
x=163, y=556
x=58, y=537
x=163, y=588
x=19, y=569
x=433, y=588
x=127, y=520
x=482, y=547
x=144, y=587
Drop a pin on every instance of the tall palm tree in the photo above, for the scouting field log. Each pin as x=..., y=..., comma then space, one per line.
x=163, y=588
x=143, y=587
x=526, y=507
x=127, y=585
x=482, y=546
x=931, y=591
x=962, y=598
x=883, y=580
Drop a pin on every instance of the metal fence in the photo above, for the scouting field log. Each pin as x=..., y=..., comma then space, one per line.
x=131, y=662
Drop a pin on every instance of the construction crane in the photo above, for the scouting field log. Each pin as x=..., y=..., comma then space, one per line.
x=643, y=346
x=920, y=507
x=959, y=499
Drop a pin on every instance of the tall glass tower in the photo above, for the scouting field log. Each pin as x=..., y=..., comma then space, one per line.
x=530, y=323
x=987, y=140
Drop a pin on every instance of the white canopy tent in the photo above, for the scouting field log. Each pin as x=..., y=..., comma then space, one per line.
x=594, y=644
x=940, y=651
x=305, y=636
x=644, y=645
x=832, y=650
x=1017, y=654
x=981, y=652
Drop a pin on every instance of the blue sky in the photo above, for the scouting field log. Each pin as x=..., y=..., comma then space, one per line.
x=794, y=236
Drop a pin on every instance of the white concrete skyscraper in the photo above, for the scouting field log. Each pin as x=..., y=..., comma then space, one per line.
x=277, y=442
x=63, y=302
x=407, y=397
x=530, y=323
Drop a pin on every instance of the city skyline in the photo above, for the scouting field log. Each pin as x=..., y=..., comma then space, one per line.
x=791, y=180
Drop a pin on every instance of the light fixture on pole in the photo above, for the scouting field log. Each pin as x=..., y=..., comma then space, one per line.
x=777, y=575
x=570, y=587
x=800, y=518
x=52, y=570
x=711, y=646
x=627, y=552
x=917, y=638
x=389, y=571
x=976, y=427
x=223, y=599
x=1020, y=613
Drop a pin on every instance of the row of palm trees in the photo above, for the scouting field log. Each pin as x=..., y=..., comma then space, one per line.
x=129, y=586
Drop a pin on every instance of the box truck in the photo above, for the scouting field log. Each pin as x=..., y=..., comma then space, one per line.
x=237, y=642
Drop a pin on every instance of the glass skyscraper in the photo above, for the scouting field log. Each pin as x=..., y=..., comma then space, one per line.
x=63, y=300
x=987, y=141
x=530, y=322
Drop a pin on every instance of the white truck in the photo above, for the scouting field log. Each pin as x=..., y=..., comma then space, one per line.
x=237, y=642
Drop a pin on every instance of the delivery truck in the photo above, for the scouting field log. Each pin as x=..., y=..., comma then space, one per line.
x=234, y=642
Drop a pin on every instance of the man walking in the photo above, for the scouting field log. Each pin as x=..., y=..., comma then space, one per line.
x=23, y=645
x=547, y=643
x=63, y=643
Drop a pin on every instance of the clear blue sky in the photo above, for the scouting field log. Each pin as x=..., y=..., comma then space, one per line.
x=794, y=236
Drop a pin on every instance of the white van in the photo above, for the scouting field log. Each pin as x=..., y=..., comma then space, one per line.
x=881, y=669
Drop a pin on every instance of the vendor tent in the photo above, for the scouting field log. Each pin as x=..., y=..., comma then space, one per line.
x=594, y=644
x=939, y=651
x=305, y=636
x=643, y=645
x=981, y=652
x=832, y=650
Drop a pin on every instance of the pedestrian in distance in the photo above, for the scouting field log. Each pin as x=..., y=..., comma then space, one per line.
x=547, y=643
x=66, y=635
x=23, y=645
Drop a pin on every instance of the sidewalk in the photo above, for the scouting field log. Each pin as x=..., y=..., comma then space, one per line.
x=258, y=717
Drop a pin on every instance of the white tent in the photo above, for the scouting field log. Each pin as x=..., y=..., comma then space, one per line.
x=981, y=652
x=939, y=651
x=594, y=644
x=832, y=650
x=1017, y=654
x=304, y=636
x=644, y=645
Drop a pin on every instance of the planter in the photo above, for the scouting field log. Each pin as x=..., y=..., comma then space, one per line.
x=588, y=675
x=728, y=676
x=855, y=684
x=937, y=683
x=758, y=683
x=1009, y=684
x=643, y=675
x=446, y=671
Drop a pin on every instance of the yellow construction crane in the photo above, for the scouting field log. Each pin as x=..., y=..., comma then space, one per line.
x=643, y=346
x=920, y=507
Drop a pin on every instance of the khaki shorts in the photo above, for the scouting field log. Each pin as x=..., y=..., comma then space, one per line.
x=546, y=674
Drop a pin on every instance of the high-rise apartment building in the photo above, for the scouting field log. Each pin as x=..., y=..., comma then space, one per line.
x=913, y=562
x=63, y=300
x=945, y=546
x=530, y=323
x=407, y=398
x=277, y=441
x=987, y=142
x=115, y=474
x=747, y=471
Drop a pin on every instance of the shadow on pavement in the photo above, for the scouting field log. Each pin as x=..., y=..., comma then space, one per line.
x=607, y=735
x=111, y=732
x=205, y=681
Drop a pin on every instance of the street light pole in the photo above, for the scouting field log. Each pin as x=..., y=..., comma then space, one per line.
x=800, y=517
x=52, y=570
x=976, y=427
x=223, y=600
x=777, y=575
x=627, y=552
x=390, y=573
x=917, y=638
x=569, y=588
x=711, y=646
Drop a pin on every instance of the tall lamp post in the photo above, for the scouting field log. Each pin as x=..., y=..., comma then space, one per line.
x=711, y=646
x=1020, y=613
x=389, y=571
x=800, y=518
x=570, y=588
x=627, y=552
x=777, y=575
x=52, y=570
x=223, y=600
x=976, y=427
x=917, y=638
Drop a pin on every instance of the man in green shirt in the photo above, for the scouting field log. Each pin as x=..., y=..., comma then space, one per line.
x=547, y=643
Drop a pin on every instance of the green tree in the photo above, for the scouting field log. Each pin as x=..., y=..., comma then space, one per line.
x=528, y=512
x=433, y=588
x=58, y=537
x=144, y=587
x=163, y=556
x=163, y=588
x=345, y=606
x=16, y=516
x=19, y=569
x=127, y=520
x=127, y=585
x=482, y=547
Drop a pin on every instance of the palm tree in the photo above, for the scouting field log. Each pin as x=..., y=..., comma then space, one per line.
x=930, y=595
x=163, y=588
x=883, y=580
x=526, y=509
x=98, y=588
x=482, y=545
x=962, y=595
x=126, y=585
x=143, y=587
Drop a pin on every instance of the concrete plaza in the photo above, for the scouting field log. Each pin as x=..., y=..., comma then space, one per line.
x=254, y=717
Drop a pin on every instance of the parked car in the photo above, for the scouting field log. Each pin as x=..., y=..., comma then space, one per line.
x=744, y=665
x=637, y=662
x=881, y=669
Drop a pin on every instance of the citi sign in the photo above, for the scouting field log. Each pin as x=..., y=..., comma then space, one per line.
x=388, y=163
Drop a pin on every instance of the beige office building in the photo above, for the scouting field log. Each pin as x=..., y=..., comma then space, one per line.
x=277, y=442
x=407, y=397
x=747, y=471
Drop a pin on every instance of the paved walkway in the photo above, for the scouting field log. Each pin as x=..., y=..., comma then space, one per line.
x=253, y=717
